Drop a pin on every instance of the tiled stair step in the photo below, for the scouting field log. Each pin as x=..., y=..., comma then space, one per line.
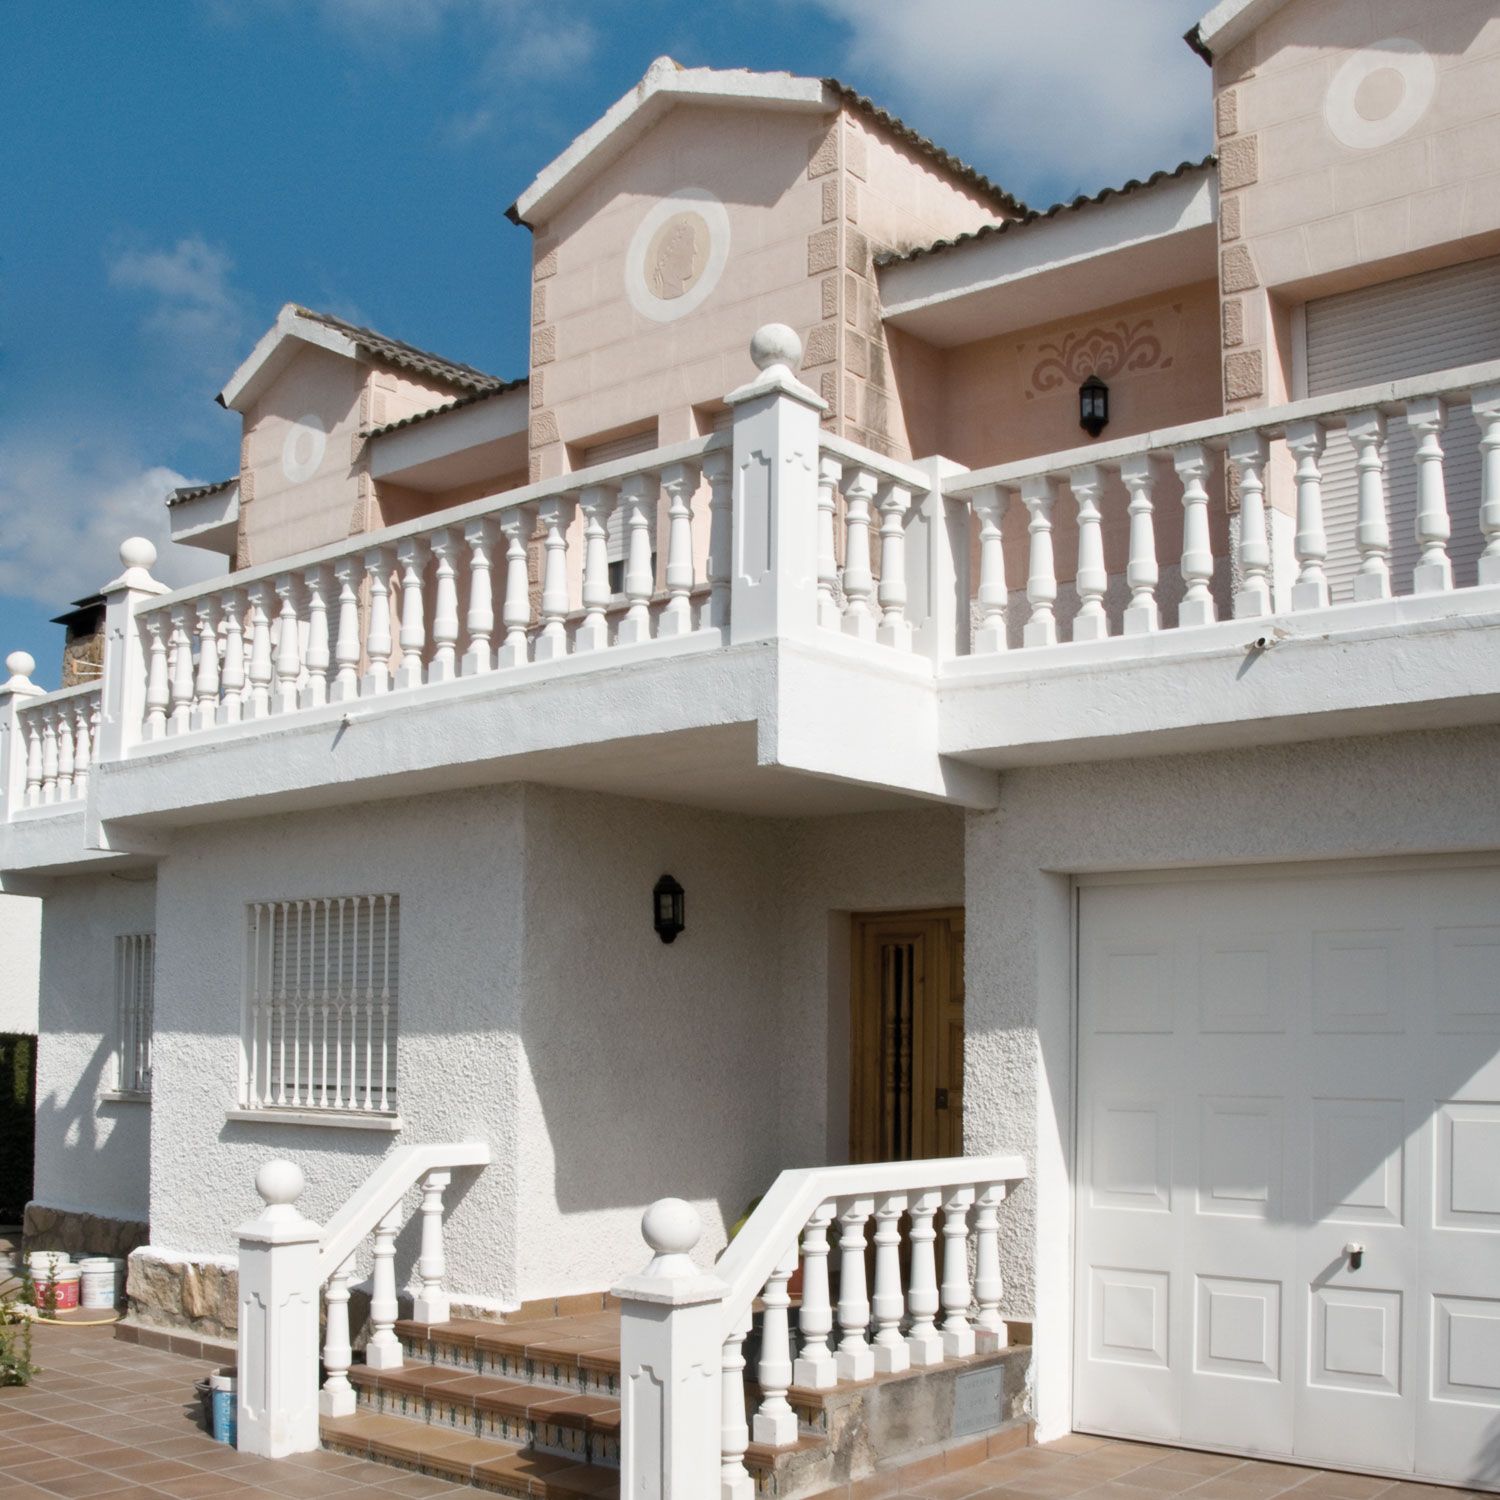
x=566, y=1354
x=461, y=1458
x=572, y=1424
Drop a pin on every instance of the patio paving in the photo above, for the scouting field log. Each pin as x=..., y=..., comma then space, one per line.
x=111, y=1418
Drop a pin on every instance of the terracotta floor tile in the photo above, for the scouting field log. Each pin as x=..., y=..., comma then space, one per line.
x=85, y=1486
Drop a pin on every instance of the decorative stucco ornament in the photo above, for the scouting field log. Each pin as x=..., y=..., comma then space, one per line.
x=1380, y=93
x=302, y=451
x=677, y=254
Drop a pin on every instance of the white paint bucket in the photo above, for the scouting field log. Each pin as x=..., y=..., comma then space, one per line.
x=42, y=1261
x=97, y=1276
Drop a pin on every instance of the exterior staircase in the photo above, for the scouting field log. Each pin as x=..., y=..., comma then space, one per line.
x=531, y=1408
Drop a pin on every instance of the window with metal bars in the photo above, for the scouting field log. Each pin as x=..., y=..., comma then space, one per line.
x=135, y=998
x=322, y=998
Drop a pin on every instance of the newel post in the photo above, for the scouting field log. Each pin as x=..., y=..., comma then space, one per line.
x=774, y=510
x=671, y=1357
x=278, y=1332
x=13, y=748
x=123, y=683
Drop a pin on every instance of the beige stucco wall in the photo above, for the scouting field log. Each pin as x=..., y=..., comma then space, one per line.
x=1302, y=212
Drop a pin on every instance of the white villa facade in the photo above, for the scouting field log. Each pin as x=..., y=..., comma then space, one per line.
x=1110, y=805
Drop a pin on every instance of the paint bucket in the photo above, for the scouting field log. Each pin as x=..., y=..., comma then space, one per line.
x=97, y=1283
x=41, y=1262
x=205, y=1393
x=64, y=1284
x=225, y=1415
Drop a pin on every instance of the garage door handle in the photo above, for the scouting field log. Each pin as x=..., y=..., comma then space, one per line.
x=1356, y=1254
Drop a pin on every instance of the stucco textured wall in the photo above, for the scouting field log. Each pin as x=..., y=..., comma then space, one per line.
x=91, y=1154
x=20, y=962
x=455, y=861
x=1376, y=796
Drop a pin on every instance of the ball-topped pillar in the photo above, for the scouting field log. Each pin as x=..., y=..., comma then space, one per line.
x=123, y=683
x=20, y=665
x=278, y=1319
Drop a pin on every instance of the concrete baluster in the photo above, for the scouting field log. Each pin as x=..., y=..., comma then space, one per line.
x=480, y=619
x=923, y=1342
x=735, y=1482
x=288, y=647
x=83, y=744
x=887, y=1303
x=597, y=503
x=444, y=664
x=555, y=515
x=856, y=1360
x=958, y=1336
x=830, y=472
x=515, y=614
x=1090, y=623
x=816, y=1367
x=992, y=597
x=638, y=495
x=716, y=470
x=316, y=659
x=1142, y=616
x=383, y=1352
x=181, y=673
x=1433, y=572
x=232, y=677
x=1197, y=607
x=206, y=689
x=431, y=1304
x=775, y=1423
x=1372, y=527
x=258, y=672
x=1485, y=403
x=859, y=581
x=411, y=558
x=680, y=481
x=337, y=1396
x=346, y=648
x=378, y=642
x=1310, y=544
x=989, y=1328
x=1039, y=495
x=1249, y=453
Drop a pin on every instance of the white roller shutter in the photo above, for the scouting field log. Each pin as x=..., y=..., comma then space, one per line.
x=603, y=453
x=1435, y=321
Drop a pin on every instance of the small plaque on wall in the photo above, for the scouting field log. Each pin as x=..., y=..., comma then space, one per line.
x=978, y=1401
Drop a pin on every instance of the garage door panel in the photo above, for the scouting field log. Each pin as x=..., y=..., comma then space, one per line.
x=1466, y=965
x=1466, y=1173
x=1241, y=1172
x=1358, y=1159
x=1132, y=1154
x=1360, y=980
x=1242, y=988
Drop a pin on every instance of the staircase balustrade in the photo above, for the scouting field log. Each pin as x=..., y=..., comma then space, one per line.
x=682, y=1332
x=285, y=1259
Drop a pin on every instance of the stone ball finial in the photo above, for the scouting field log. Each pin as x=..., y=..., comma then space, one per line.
x=671, y=1226
x=776, y=344
x=20, y=664
x=137, y=552
x=278, y=1182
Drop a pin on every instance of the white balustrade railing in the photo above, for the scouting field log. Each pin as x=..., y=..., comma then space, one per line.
x=1265, y=567
x=286, y=1259
x=679, y=1325
x=58, y=732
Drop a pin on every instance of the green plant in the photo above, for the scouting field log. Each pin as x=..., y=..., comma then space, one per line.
x=16, y=1367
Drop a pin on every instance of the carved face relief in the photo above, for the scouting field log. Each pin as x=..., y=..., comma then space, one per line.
x=677, y=254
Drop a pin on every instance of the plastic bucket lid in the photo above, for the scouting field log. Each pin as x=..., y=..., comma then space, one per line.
x=45, y=1259
x=222, y=1380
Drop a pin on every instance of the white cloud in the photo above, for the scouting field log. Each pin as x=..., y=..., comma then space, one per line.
x=68, y=509
x=194, y=311
x=1048, y=99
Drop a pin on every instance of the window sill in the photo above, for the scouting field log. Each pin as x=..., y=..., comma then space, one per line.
x=332, y=1119
x=125, y=1096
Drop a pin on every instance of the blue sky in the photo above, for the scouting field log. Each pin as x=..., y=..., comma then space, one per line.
x=177, y=169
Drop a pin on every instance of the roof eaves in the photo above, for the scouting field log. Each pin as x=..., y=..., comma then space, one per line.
x=386, y=350
x=188, y=492
x=928, y=148
x=1034, y=216
x=472, y=399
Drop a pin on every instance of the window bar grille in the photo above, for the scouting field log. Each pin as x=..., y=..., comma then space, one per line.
x=135, y=1001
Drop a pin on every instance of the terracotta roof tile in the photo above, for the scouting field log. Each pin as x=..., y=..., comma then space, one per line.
x=405, y=356
x=472, y=399
x=198, y=491
x=1032, y=216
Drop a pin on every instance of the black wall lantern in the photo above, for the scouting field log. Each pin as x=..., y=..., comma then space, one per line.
x=1093, y=406
x=667, y=909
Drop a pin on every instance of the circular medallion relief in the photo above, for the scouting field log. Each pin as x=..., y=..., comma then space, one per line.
x=677, y=254
x=303, y=450
x=1380, y=93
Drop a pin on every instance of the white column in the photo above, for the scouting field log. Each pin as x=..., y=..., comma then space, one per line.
x=716, y=471
x=891, y=1353
x=597, y=502
x=122, y=698
x=378, y=642
x=1486, y=406
x=680, y=481
x=206, y=689
x=989, y=505
x=830, y=472
x=1433, y=572
x=923, y=1342
x=158, y=680
x=35, y=771
x=515, y=614
x=990, y=1330
x=1372, y=529
x=1039, y=495
x=182, y=673
x=735, y=1482
x=480, y=620
x=555, y=515
x=83, y=740
x=337, y=1396
x=278, y=1321
x=1310, y=544
x=346, y=651
x=1249, y=453
x=815, y=1367
x=316, y=659
x=431, y=1304
x=859, y=581
x=258, y=672
x=1141, y=615
x=672, y=1366
x=855, y=1359
x=411, y=558
x=1197, y=607
x=383, y=1352
x=638, y=496
x=1091, y=623
x=444, y=664
x=64, y=716
x=49, y=755
x=288, y=648
x=775, y=1423
x=232, y=677
x=958, y=1337
x=894, y=628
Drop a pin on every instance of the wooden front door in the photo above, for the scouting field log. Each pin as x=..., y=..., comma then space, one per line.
x=907, y=1036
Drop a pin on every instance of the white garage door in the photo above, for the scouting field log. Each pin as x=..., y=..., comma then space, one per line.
x=1273, y=1069
x=1436, y=321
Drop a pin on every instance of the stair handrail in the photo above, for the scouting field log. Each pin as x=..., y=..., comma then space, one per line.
x=780, y=1217
x=396, y=1175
